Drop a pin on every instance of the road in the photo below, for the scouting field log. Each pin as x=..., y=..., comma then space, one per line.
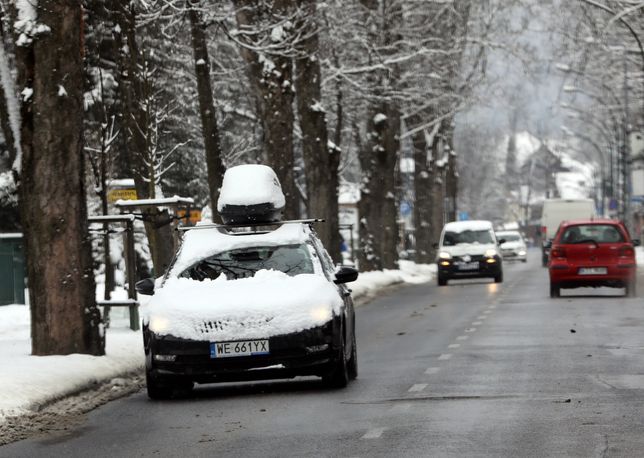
x=471, y=369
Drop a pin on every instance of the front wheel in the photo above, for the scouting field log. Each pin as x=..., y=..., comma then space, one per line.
x=353, y=362
x=555, y=290
x=498, y=278
x=157, y=390
x=338, y=376
x=442, y=281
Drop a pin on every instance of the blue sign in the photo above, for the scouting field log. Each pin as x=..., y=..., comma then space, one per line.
x=405, y=208
x=463, y=216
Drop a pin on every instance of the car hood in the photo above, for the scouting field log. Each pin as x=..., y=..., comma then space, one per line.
x=472, y=249
x=268, y=304
x=513, y=245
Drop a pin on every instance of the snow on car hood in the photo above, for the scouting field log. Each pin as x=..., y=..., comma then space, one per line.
x=270, y=303
x=513, y=245
x=468, y=248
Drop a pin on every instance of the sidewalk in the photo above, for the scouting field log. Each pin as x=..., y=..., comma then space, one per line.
x=29, y=382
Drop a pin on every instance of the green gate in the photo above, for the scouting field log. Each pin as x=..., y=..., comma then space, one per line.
x=12, y=269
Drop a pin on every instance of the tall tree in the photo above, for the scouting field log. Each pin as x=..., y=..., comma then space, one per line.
x=64, y=315
x=264, y=29
x=209, y=128
x=321, y=159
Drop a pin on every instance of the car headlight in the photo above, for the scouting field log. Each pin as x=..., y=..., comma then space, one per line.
x=321, y=313
x=159, y=324
x=491, y=253
x=522, y=253
x=444, y=255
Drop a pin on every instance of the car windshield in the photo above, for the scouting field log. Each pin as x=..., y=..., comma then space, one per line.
x=510, y=237
x=467, y=236
x=290, y=259
x=592, y=233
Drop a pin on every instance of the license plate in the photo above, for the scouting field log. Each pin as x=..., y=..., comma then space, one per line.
x=592, y=271
x=239, y=348
x=469, y=266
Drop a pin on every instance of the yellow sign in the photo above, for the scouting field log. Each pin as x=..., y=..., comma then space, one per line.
x=120, y=194
x=195, y=216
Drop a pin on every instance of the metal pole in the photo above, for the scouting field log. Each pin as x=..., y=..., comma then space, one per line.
x=625, y=152
x=131, y=275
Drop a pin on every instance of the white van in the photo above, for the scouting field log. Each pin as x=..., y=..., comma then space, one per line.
x=469, y=249
x=557, y=210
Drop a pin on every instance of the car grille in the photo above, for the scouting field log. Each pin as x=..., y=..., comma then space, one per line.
x=209, y=327
x=473, y=258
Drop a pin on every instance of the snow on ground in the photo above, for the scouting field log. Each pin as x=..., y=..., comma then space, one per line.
x=639, y=254
x=29, y=382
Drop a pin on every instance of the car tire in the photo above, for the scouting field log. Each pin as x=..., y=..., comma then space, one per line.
x=338, y=376
x=353, y=362
x=555, y=290
x=631, y=289
x=442, y=281
x=498, y=278
x=524, y=260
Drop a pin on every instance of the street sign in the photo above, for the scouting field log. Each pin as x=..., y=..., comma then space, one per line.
x=463, y=216
x=405, y=208
x=121, y=194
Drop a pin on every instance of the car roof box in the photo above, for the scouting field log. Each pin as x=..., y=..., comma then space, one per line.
x=250, y=194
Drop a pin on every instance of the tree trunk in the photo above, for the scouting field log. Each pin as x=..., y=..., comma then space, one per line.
x=209, y=129
x=424, y=198
x=134, y=91
x=271, y=76
x=321, y=161
x=64, y=316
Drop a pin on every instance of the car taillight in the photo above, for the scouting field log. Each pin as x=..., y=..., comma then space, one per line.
x=558, y=252
x=626, y=252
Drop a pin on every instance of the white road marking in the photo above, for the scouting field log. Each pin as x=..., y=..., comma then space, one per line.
x=445, y=356
x=453, y=345
x=481, y=317
x=462, y=337
x=470, y=330
x=477, y=323
x=487, y=312
x=417, y=387
x=492, y=307
x=432, y=370
x=374, y=433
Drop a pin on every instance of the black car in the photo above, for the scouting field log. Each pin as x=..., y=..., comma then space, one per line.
x=244, y=306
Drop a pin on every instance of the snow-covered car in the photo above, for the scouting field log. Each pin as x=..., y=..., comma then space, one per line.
x=514, y=246
x=237, y=306
x=468, y=249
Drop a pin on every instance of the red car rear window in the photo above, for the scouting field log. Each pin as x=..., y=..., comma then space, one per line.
x=592, y=233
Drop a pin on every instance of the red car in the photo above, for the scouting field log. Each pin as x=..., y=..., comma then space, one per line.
x=596, y=252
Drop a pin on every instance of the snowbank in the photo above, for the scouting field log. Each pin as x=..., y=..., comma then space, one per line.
x=30, y=381
x=639, y=255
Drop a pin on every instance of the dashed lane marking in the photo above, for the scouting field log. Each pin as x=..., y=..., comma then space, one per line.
x=492, y=307
x=445, y=356
x=417, y=387
x=400, y=407
x=477, y=323
x=453, y=345
x=481, y=317
x=432, y=370
x=374, y=433
x=462, y=337
x=470, y=330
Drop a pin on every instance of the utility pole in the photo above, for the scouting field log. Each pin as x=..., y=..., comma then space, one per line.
x=626, y=151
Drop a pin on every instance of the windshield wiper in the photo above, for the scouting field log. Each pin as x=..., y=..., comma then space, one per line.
x=593, y=241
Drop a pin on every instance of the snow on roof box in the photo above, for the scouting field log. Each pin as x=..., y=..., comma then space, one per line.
x=250, y=194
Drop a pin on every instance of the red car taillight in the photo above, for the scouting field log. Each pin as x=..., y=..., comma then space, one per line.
x=626, y=252
x=558, y=252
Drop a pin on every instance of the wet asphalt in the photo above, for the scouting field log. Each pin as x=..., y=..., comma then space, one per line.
x=474, y=369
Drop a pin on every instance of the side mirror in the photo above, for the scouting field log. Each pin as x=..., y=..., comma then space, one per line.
x=547, y=244
x=435, y=245
x=501, y=241
x=145, y=286
x=346, y=275
x=636, y=242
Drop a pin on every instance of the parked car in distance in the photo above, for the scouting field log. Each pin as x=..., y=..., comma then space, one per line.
x=468, y=249
x=557, y=210
x=514, y=246
x=593, y=252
